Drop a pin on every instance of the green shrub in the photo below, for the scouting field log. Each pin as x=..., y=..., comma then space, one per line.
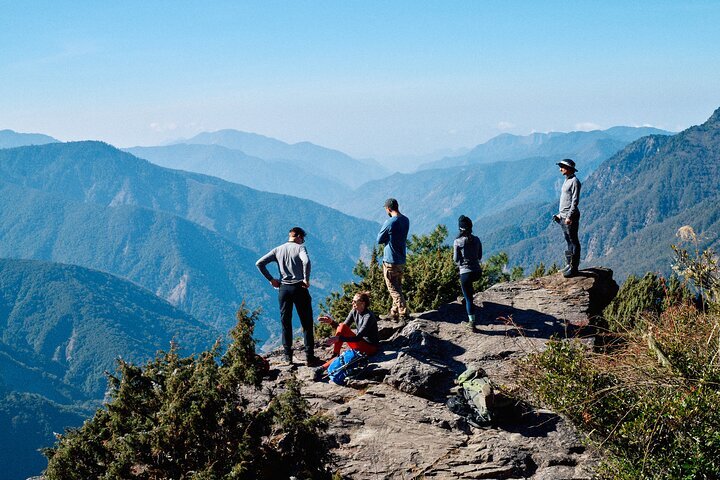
x=184, y=417
x=431, y=279
x=637, y=297
x=650, y=402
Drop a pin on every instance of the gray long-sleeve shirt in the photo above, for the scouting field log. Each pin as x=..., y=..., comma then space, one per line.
x=467, y=253
x=366, y=324
x=570, y=197
x=293, y=263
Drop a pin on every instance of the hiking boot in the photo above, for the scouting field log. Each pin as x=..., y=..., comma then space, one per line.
x=568, y=262
x=312, y=361
x=318, y=374
x=574, y=263
x=288, y=358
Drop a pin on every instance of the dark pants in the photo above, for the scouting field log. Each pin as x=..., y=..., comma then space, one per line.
x=571, y=237
x=466, y=284
x=299, y=296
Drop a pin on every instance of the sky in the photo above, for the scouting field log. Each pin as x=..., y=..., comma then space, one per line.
x=370, y=78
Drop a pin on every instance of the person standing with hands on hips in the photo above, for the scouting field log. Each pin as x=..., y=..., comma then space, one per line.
x=294, y=268
x=393, y=235
x=569, y=216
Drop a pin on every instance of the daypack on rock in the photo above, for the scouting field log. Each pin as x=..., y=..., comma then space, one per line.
x=348, y=364
x=475, y=389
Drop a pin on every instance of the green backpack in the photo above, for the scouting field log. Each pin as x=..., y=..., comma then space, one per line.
x=475, y=387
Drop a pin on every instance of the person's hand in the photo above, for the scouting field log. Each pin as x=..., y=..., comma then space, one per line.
x=275, y=283
x=331, y=341
x=306, y=283
x=568, y=221
x=325, y=319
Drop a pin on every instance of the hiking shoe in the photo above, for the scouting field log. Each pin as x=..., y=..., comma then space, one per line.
x=312, y=360
x=318, y=374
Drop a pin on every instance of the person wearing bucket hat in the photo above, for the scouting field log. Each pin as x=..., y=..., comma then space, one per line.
x=393, y=235
x=569, y=216
x=467, y=253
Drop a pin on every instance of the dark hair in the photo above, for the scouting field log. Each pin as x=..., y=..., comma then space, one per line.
x=365, y=297
x=297, y=232
x=392, y=204
x=465, y=225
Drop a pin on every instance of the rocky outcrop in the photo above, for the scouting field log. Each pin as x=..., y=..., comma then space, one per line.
x=393, y=423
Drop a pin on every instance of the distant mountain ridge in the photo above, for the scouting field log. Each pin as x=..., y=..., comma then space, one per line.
x=440, y=195
x=508, y=147
x=282, y=177
x=308, y=156
x=12, y=139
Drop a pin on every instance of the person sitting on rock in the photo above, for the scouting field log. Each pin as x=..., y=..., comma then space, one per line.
x=366, y=340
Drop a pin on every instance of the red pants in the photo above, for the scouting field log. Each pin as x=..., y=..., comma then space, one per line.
x=358, y=344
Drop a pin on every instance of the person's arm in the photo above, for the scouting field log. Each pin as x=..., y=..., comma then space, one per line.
x=384, y=235
x=348, y=321
x=574, y=200
x=305, y=259
x=479, y=250
x=456, y=254
x=261, y=264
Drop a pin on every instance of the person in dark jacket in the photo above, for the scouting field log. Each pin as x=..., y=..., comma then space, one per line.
x=568, y=216
x=365, y=340
x=467, y=253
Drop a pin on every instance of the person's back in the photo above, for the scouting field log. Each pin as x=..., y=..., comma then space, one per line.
x=394, y=235
x=467, y=253
x=293, y=262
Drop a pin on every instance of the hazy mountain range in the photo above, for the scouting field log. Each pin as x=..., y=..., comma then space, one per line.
x=284, y=177
x=10, y=139
x=478, y=189
x=326, y=162
x=508, y=147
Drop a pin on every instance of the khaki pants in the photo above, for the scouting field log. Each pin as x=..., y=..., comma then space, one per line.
x=393, y=279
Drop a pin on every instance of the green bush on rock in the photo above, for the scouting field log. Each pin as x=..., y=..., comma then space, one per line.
x=187, y=417
x=650, y=401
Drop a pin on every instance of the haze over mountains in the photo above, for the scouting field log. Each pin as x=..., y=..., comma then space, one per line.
x=10, y=139
x=502, y=173
x=508, y=147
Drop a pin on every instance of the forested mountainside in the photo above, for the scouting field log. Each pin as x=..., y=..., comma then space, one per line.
x=61, y=328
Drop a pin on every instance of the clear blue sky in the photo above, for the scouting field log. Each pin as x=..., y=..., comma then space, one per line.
x=371, y=78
